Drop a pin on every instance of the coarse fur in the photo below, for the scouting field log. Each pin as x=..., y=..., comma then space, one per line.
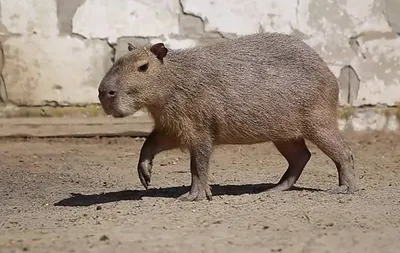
x=251, y=89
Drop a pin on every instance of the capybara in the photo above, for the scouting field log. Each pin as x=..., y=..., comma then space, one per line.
x=251, y=89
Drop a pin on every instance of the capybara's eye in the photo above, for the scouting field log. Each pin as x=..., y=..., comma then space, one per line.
x=143, y=67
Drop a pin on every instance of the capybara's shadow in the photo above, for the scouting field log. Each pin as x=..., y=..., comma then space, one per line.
x=78, y=199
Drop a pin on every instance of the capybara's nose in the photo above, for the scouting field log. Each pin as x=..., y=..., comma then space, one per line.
x=107, y=93
x=111, y=93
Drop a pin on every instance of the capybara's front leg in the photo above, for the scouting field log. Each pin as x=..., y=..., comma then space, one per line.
x=155, y=143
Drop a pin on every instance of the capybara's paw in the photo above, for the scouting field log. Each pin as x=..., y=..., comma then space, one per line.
x=144, y=171
x=196, y=195
x=279, y=187
x=342, y=189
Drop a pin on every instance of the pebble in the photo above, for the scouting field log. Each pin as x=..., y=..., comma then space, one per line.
x=104, y=238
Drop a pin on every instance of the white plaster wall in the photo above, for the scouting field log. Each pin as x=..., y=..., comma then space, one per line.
x=29, y=16
x=64, y=70
x=112, y=19
x=44, y=64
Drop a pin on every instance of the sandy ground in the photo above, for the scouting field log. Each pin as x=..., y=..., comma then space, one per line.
x=83, y=195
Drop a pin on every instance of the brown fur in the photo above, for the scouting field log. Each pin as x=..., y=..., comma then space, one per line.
x=251, y=89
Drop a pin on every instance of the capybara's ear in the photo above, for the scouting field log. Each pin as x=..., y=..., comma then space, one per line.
x=159, y=50
x=130, y=46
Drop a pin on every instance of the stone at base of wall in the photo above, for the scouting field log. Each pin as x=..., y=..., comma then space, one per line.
x=90, y=121
x=369, y=118
x=138, y=126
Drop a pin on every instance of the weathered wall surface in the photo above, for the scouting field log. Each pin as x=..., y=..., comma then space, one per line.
x=56, y=51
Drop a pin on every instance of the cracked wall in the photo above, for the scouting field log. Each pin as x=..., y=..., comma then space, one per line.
x=56, y=52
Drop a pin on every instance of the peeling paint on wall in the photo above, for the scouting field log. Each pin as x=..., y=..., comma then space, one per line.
x=65, y=12
x=349, y=84
x=3, y=89
x=55, y=48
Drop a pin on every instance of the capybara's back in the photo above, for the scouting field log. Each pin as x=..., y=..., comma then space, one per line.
x=255, y=88
x=267, y=86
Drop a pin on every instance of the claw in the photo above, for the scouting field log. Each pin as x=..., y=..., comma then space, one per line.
x=342, y=189
x=196, y=195
x=144, y=170
x=187, y=197
x=143, y=181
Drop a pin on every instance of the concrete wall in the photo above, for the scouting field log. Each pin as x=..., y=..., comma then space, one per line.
x=56, y=51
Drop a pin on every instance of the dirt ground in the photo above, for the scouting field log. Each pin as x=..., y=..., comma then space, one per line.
x=84, y=195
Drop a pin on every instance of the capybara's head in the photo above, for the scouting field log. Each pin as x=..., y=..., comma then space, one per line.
x=132, y=83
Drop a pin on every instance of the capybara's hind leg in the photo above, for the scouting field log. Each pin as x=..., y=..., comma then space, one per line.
x=330, y=141
x=297, y=156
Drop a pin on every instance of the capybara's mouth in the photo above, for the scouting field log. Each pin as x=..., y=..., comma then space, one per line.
x=110, y=110
x=114, y=111
x=118, y=115
x=106, y=108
